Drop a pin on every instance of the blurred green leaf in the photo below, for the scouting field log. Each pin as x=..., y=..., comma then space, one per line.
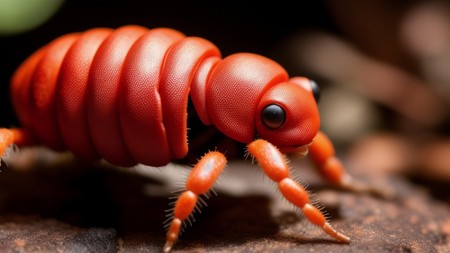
x=18, y=16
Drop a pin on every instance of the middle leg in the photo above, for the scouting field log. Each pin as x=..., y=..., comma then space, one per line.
x=199, y=182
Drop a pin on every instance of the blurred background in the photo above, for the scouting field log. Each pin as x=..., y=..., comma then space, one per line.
x=383, y=66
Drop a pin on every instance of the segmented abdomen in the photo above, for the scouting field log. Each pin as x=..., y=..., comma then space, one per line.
x=117, y=94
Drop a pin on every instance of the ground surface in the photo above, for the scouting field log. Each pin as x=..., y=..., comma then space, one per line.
x=75, y=207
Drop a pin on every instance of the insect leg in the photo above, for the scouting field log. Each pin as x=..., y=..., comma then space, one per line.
x=275, y=167
x=323, y=156
x=17, y=136
x=200, y=181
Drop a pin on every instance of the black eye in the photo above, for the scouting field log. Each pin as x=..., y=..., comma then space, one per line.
x=273, y=116
x=315, y=90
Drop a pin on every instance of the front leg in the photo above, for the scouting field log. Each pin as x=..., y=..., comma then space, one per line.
x=322, y=154
x=275, y=167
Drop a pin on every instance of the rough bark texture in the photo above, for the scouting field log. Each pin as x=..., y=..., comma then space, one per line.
x=75, y=207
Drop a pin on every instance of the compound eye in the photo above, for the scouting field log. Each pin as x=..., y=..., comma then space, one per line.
x=273, y=116
x=315, y=90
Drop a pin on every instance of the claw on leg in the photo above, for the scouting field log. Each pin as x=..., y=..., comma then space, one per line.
x=275, y=167
x=333, y=233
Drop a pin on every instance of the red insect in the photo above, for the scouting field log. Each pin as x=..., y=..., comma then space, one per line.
x=122, y=95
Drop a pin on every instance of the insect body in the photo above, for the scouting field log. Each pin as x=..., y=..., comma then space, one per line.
x=122, y=95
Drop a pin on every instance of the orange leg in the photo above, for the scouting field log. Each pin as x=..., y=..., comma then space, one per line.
x=323, y=156
x=275, y=166
x=15, y=136
x=199, y=182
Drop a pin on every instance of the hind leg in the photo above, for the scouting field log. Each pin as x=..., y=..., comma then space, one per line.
x=16, y=136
